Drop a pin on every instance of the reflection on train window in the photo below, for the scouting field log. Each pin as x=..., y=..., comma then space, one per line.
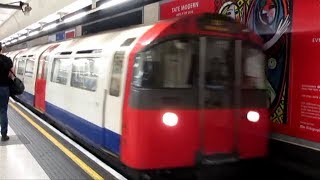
x=253, y=68
x=29, y=67
x=167, y=65
x=60, y=71
x=219, y=67
x=45, y=67
x=21, y=66
x=117, y=67
x=85, y=73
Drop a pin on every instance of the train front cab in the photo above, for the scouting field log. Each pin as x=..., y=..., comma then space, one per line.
x=194, y=92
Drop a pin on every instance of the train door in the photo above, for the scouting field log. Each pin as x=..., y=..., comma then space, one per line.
x=21, y=64
x=113, y=97
x=219, y=98
x=40, y=85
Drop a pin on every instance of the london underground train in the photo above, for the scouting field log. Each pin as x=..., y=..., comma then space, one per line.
x=155, y=96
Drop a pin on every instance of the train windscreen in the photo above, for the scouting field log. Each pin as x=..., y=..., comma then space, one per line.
x=175, y=64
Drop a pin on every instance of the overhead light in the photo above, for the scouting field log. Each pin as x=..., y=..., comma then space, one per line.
x=112, y=3
x=14, y=36
x=22, y=37
x=51, y=26
x=34, y=26
x=75, y=17
x=33, y=33
x=14, y=41
x=24, y=31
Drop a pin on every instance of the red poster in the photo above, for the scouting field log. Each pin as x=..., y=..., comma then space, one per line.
x=174, y=8
x=290, y=31
x=305, y=74
x=70, y=34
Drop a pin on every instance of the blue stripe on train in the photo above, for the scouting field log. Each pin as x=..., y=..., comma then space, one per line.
x=94, y=134
x=27, y=98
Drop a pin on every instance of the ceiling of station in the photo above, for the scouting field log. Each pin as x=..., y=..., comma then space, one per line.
x=15, y=22
x=5, y=14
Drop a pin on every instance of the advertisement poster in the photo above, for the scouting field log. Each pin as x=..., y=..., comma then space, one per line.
x=176, y=8
x=305, y=74
x=291, y=34
x=272, y=20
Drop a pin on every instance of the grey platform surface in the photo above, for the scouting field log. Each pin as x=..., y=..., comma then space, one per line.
x=54, y=162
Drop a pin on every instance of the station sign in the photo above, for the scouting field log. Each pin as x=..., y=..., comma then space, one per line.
x=62, y=35
x=175, y=8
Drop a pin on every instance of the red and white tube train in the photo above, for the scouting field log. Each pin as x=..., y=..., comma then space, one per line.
x=156, y=96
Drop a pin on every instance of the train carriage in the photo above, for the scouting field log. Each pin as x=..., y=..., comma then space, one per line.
x=157, y=96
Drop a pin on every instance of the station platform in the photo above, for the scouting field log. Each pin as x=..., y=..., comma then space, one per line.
x=36, y=150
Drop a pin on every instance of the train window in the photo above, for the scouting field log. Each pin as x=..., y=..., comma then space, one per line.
x=167, y=65
x=45, y=67
x=90, y=51
x=21, y=67
x=253, y=68
x=60, y=71
x=29, y=67
x=219, y=67
x=117, y=67
x=128, y=42
x=85, y=73
x=65, y=53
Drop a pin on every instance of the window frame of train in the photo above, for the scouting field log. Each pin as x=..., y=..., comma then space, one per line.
x=21, y=69
x=116, y=73
x=137, y=63
x=67, y=69
x=29, y=70
x=258, y=60
x=222, y=93
x=195, y=57
x=93, y=72
x=141, y=59
x=45, y=67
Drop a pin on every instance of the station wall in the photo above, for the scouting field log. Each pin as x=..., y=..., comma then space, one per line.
x=291, y=38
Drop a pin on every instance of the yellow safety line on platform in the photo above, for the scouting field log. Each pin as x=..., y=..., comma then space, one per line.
x=72, y=156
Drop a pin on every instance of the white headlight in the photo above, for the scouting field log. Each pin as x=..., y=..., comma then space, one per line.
x=170, y=119
x=253, y=116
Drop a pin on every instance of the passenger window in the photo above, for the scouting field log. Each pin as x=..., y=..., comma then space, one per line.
x=117, y=67
x=167, y=65
x=60, y=71
x=219, y=67
x=85, y=73
x=29, y=67
x=253, y=68
x=45, y=68
x=21, y=66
